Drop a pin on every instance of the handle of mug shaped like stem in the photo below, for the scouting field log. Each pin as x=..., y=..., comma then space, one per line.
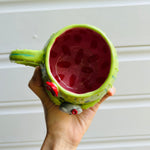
x=27, y=57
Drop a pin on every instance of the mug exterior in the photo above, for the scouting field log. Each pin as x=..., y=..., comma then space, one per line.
x=61, y=95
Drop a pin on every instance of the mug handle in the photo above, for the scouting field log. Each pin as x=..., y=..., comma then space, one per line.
x=27, y=57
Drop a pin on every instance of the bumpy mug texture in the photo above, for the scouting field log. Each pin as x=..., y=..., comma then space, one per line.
x=79, y=64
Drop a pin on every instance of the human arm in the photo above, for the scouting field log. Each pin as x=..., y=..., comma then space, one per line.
x=64, y=132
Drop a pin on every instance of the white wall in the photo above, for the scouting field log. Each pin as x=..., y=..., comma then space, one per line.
x=122, y=122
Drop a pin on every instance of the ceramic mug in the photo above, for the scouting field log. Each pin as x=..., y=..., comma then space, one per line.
x=79, y=65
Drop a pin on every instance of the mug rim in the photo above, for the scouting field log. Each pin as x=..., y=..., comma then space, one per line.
x=109, y=43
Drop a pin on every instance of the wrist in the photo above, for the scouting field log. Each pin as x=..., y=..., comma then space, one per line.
x=57, y=143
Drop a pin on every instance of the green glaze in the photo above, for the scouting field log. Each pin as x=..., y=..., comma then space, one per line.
x=41, y=58
x=27, y=57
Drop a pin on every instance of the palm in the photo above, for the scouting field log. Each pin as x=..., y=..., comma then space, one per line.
x=73, y=126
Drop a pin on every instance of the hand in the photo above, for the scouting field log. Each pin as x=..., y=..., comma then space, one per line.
x=63, y=131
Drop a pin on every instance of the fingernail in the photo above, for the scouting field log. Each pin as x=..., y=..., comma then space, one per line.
x=111, y=91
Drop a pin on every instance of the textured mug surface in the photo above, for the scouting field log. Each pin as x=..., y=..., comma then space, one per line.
x=79, y=64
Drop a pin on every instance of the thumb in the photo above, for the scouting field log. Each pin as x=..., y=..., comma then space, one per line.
x=36, y=80
x=36, y=85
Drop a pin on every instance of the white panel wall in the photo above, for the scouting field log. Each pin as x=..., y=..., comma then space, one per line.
x=122, y=122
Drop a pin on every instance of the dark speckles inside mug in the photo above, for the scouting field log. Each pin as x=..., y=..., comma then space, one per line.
x=78, y=60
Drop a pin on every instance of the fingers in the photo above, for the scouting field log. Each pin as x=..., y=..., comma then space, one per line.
x=37, y=87
x=89, y=113
x=110, y=92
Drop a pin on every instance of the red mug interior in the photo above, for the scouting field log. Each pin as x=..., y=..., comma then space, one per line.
x=80, y=60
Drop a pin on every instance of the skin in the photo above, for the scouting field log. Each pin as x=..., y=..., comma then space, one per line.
x=64, y=132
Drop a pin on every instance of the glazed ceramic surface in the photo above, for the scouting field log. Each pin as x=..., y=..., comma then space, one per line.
x=79, y=64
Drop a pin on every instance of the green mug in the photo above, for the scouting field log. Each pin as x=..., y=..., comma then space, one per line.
x=79, y=65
